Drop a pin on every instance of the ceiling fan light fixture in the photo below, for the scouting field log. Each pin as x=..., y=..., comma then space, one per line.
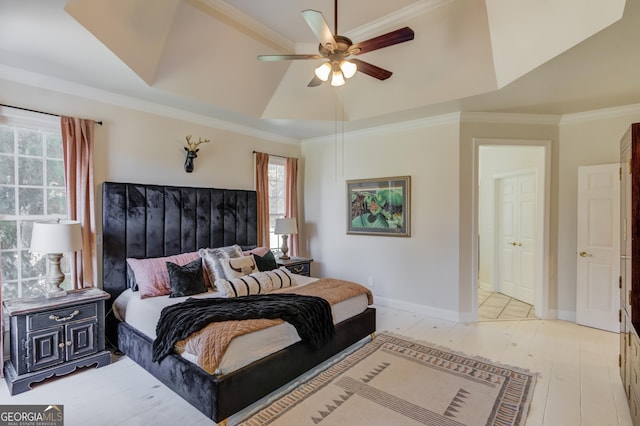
x=337, y=78
x=323, y=71
x=348, y=68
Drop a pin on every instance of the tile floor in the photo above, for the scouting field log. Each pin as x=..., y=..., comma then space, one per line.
x=497, y=306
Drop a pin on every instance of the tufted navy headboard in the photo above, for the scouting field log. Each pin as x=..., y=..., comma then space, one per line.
x=145, y=221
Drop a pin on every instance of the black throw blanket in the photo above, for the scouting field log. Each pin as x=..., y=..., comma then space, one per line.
x=310, y=315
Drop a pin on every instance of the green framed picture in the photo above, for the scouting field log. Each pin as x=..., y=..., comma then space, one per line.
x=379, y=206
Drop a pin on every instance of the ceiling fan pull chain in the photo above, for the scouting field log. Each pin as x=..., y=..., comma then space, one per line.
x=335, y=17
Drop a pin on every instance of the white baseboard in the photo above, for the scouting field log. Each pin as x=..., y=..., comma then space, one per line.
x=423, y=309
x=566, y=315
x=485, y=286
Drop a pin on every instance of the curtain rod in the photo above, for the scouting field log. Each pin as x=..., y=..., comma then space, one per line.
x=99, y=123
x=274, y=155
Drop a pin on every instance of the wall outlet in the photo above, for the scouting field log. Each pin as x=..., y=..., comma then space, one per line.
x=371, y=282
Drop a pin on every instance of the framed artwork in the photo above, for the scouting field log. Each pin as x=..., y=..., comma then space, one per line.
x=379, y=206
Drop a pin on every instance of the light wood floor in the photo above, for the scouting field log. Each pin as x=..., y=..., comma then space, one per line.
x=578, y=381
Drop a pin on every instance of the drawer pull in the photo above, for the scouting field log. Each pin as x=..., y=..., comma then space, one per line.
x=298, y=268
x=59, y=319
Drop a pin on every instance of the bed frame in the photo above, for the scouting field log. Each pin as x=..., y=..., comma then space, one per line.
x=146, y=221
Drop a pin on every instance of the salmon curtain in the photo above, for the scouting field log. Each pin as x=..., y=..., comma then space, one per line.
x=262, y=192
x=291, y=207
x=77, y=143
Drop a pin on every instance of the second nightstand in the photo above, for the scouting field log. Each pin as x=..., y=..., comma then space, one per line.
x=297, y=265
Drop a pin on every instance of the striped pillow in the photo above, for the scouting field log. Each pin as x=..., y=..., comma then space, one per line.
x=256, y=283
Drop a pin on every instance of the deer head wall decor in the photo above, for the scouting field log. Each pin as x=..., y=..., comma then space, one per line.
x=192, y=152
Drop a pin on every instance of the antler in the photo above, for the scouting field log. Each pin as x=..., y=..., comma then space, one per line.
x=194, y=145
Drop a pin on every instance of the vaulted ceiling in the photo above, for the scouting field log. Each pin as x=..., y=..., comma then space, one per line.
x=528, y=56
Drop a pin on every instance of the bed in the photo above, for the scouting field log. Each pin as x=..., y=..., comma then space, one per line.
x=151, y=221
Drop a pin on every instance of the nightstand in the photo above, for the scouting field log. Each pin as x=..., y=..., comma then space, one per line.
x=54, y=336
x=297, y=265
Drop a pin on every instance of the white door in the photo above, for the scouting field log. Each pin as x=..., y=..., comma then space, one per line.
x=517, y=225
x=597, y=292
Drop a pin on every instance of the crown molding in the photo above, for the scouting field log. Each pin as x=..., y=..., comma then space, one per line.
x=68, y=88
x=397, y=18
x=252, y=24
x=601, y=114
x=436, y=120
x=510, y=118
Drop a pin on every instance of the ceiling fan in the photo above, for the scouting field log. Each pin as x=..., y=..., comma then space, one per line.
x=338, y=50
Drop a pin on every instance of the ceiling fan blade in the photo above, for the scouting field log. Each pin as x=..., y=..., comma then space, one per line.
x=286, y=57
x=389, y=39
x=319, y=26
x=372, y=70
x=315, y=81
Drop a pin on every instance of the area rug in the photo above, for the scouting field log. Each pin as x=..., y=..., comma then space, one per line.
x=395, y=381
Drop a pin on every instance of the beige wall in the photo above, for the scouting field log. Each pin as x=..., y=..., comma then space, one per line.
x=134, y=146
x=585, y=140
x=497, y=162
x=429, y=272
x=419, y=273
x=471, y=130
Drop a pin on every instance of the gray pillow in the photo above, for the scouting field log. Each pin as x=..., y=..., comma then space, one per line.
x=211, y=257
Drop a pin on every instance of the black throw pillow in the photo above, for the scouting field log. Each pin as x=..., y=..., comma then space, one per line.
x=266, y=262
x=186, y=280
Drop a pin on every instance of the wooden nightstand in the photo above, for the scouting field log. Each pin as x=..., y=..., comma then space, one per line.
x=54, y=336
x=297, y=265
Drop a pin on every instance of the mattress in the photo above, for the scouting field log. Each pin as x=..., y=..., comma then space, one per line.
x=143, y=314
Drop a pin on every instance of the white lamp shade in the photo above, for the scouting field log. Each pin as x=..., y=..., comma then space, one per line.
x=323, y=71
x=348, y=68
x=286, y=226
x=54, y=236
x=337, y=79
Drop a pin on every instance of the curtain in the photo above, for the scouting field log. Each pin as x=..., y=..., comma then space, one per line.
x=262, y=192
x=77, y=143
x=291, y=208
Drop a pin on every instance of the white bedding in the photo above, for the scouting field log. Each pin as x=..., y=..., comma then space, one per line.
x=143, y=314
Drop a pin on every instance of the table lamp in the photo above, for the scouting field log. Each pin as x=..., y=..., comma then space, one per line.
x=54, y=238
x=285, y=227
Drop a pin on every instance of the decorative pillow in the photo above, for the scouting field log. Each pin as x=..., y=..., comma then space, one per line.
x=266, y=262
x=186, y=280
x=256, y=283
x=281, y=278
x=238, y=266
x=260, y=251
x=151, y=275
x=211, y=258
x=244, y=286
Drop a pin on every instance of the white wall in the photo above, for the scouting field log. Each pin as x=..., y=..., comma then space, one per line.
x=586, y=139
x=430, y=271
x=135, y=146
x=498, y=161
x=420, y=272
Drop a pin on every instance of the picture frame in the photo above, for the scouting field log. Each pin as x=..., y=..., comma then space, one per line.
x=379, y=206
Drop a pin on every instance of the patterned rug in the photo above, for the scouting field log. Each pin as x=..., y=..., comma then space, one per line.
x=395, y=381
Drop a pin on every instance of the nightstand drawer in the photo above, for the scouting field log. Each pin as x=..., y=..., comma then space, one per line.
x=61, y=316
x=301, y=269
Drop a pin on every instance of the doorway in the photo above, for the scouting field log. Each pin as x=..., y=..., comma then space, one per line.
x=512, y=184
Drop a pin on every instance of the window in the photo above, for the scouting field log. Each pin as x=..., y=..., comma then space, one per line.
x=31, y=188
x=277, y=196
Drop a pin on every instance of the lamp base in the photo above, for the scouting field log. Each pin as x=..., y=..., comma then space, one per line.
x=284, y=248
x=56, y=293
x=55, y=277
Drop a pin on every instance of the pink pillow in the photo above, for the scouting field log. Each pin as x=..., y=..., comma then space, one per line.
x=152, y=276
x=260, y=251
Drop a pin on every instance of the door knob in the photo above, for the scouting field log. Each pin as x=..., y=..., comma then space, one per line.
x=584, y=254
